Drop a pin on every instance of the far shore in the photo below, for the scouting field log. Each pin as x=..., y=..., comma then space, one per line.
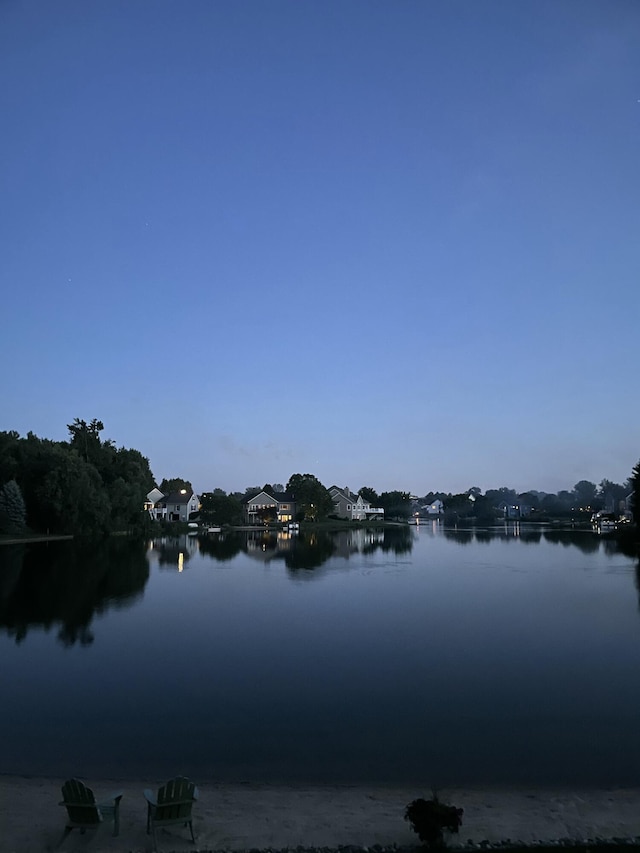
x=259, y=817
x=36, y=537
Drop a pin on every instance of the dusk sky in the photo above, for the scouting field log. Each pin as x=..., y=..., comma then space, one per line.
x=393, y=244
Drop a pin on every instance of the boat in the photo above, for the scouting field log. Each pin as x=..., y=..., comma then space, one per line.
x=604, y=522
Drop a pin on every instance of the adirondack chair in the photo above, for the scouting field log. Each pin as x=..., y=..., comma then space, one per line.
x=172, y=806
x=84, y=812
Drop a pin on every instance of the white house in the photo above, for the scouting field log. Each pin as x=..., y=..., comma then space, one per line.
x=176, y=506
x=435, y=508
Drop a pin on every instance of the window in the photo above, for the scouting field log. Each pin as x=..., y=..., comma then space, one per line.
x=284, y=506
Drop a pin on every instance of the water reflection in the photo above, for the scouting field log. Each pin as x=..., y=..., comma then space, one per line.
x=311, y=549
x=66, y=584
x=306, y=550
x=584, y=540
x=221, y=546
x=173, y=552
x=317, y=657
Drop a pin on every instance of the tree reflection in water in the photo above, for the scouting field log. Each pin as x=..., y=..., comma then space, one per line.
x=583, y=539
x=309, y=551
x=222, y=547
x=305, y=550
x=67, y=584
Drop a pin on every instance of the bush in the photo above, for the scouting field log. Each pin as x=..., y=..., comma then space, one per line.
x=429, y=819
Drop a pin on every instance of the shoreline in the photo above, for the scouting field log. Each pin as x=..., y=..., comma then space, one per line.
x=247, y=816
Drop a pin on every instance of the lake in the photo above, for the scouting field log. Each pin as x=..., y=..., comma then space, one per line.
x=399, y=656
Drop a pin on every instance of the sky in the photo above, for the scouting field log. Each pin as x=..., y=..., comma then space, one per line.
x=393, y=244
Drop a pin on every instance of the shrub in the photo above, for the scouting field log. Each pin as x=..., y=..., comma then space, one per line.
x=429, y=819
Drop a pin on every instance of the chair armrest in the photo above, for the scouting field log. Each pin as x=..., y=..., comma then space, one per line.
x=114, y=797
x=150, y=797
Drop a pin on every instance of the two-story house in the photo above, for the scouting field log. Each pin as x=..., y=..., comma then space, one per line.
x=348, y=504
x=269, y=507
x=176, y=506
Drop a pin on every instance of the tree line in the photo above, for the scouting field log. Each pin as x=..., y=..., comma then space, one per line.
x=585, y=497
x=85, y=485
x=314, y=502
x=312, y=499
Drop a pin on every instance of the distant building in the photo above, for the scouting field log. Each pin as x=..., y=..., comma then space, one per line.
x=433, y=509
x=514, y=510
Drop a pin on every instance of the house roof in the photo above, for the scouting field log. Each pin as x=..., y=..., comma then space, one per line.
x=176, y=498
x=276, y=497
x=351, y=496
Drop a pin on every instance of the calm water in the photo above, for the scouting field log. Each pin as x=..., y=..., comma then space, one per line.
x=410, y=656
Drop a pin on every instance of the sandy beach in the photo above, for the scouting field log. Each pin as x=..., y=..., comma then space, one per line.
x=243, y=817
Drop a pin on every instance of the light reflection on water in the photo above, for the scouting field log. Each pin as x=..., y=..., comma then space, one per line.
x=402, y=655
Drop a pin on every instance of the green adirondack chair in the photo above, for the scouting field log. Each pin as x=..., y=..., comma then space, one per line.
x=172, y=806
x=84, y=812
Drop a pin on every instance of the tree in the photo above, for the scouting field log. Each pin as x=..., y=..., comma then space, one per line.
x=566, y=499
x=128, y=480
x=635, y=493
x=312, y=499
x=250, y=492
x=8, y=464
x=175, y=485
x=71, y=496
x=13, y=514
x=611, y=495
x=395, y=504
x=369, y=494
x=551, y=504
x=459, y=506
x=496, y=496
x=220, y=509
x=529, y=498
x=585, y=493
x=85, y=438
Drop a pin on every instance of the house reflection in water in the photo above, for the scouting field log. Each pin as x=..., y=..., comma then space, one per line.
x=269, y=545
x=360, y=541
x=172, y=552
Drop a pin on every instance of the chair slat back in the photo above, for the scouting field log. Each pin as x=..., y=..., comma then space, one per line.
x=175, y=799
x=80, y=803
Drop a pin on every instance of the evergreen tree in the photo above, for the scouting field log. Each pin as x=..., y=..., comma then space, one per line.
x=635, y=488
